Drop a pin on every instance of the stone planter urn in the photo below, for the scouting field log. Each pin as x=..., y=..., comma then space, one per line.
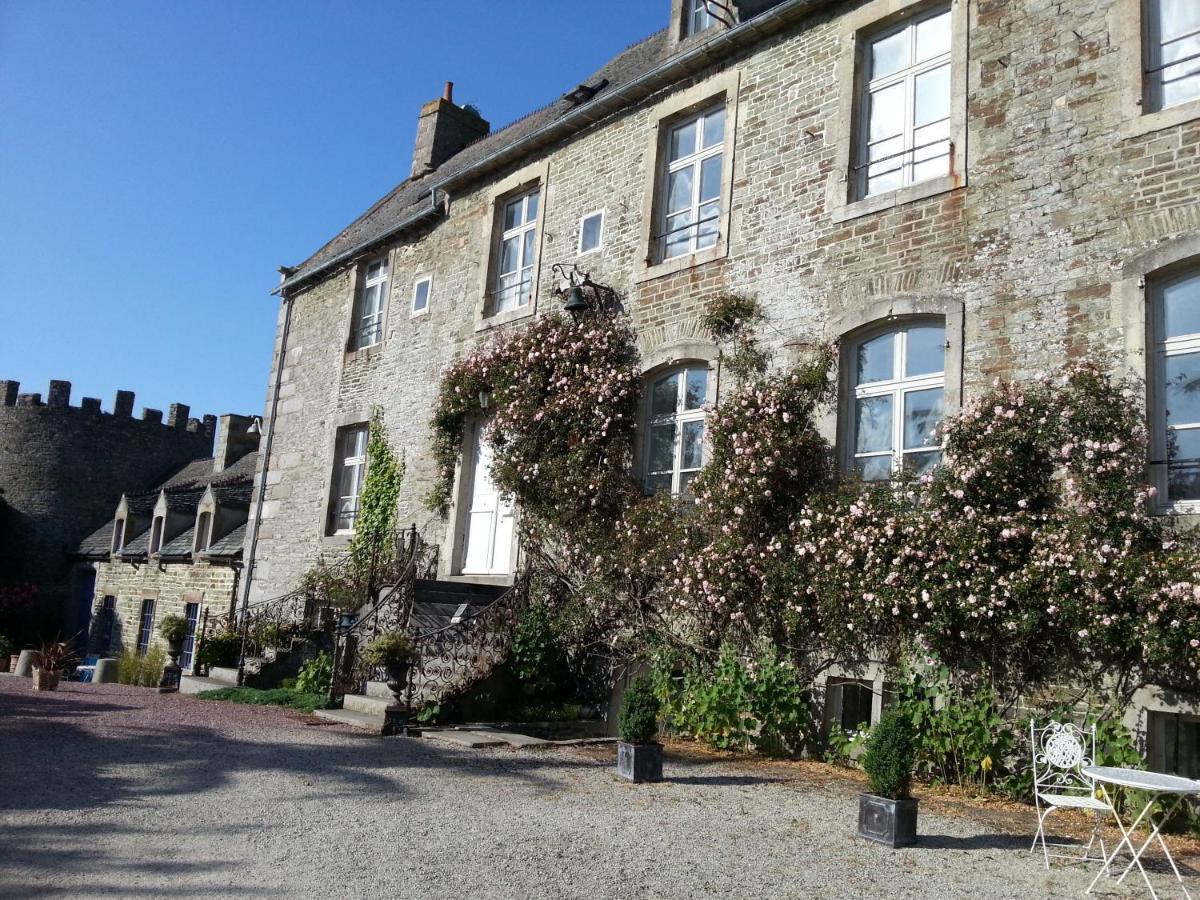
x=396, y=715
x=45, y=679
x=892, y=823
x=172, y=671
x=639, y=763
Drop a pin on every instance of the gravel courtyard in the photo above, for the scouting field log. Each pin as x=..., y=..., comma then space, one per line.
x=112, y=791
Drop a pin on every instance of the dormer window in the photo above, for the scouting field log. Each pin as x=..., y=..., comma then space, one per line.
x=203, y=532
x=156, y=535
x=698, y=17
x=118, y=538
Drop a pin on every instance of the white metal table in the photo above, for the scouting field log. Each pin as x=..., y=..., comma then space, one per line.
x=1170, y=788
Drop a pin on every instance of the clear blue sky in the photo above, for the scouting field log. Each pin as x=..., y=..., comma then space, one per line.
x=158, y=160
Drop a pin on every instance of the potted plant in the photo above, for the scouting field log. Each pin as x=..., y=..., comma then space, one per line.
x=6, y=662
x=394, y=653
x=174, y=631
x=639, y=756
x=51, y=661
x=888, y=815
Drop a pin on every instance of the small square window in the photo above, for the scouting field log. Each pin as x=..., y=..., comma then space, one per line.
x=591, y=232
x=421, y=291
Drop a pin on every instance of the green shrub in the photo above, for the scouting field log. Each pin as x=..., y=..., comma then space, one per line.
x=291, y=699
x=391, y=649
x=888, y=760
x=173, y=629
x=314, y=675
x=537, y=660
x=141, y=670
x=639, y=713
x=220, y=649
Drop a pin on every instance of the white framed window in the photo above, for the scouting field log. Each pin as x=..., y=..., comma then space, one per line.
x=896, y=397
x=350, y=469
x=516, y=252
x=698, y=17
x=1175, y=301
x=1171, y=57
x=904, y=127
x=674, y=445
x=591, y=232
x=691, y=184
x=420, y=298
x=156, y=535
x=371, y=305
x=145, y=627
x=203, y=532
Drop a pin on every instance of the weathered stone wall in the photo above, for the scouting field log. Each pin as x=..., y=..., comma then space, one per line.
x=1061, y=198
x=63, y=469
x=171, y=585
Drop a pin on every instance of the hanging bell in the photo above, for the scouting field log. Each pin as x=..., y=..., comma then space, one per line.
x=576, y=301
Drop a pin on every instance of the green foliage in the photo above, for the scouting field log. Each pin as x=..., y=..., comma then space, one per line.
x=314, y=675
x=222, y=648
x=731, y=320
x=373, y=547
x=841, y=745
x=888, y=759
x=390, y=650
x=639, y=713
x=291, y=699
x=144, y=670
x=537, y=659
x=173, y=629
x=7, y=647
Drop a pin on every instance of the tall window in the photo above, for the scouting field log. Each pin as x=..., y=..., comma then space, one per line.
x=1177, y=301
x=675, y=430
x=118, y=539
x=898, y=382
x=156, y=535
x=1172, y=52
x=691, y=189
x=372, y=303
x=699, y=17
x=104, y=630
x=350, y=469
x=145, y=627
x=191, y=615
x=516, y=253
x=203, y=531
x=904, y=128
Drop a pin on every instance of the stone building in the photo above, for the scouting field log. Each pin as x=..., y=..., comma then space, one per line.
x=954, y=189
x=173, y=550
x=62, y=470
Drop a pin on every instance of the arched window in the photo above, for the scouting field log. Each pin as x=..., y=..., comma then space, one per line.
x=897, y=388
x=674, y=448
x=1175, y=301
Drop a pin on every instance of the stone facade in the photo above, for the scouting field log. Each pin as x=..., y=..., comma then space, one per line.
x=1034, y=250
x=63, y=469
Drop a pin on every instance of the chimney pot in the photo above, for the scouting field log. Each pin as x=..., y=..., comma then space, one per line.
x=448, y=93
x=443, y=129
x=233, y=441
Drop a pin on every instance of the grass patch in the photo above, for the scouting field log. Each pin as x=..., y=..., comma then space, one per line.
x=286, y=697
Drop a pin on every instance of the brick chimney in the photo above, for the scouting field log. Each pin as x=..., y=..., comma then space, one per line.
x=443, y=130
x=233, y=441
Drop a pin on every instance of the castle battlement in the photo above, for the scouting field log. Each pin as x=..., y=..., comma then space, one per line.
x=59, y=397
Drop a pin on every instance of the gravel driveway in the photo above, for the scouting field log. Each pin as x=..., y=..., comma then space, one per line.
x=110, y=791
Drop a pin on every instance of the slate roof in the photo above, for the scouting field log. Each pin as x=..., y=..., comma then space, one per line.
x=181, y=544
x=98, y=543
x=230, y=545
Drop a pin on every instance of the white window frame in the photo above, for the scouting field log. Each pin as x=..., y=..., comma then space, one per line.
x=694, y=161
x=204, y=525
x=373, y=320
x=1163, y=348
x=600, y=236
x=678, y=418
x=423, y=280
x=906, y=76
x=896, y=387
x=158, y=525
x=343, y=512
x=697, y=17
x=1152, y=67
x=526, y=270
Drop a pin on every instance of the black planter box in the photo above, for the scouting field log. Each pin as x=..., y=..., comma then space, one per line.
x=889, y=822
x=639, y=762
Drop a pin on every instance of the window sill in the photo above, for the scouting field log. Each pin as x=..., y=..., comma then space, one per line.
x=680, y=263
x=513, y=315
x=416, y=314
x=892, y=199
x=1161, y=119
x=362, y=353
x=337, y=541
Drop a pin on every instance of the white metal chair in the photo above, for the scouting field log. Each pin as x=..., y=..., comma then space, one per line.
x=1060, y=751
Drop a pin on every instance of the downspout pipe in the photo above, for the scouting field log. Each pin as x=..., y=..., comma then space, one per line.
x=289, y=301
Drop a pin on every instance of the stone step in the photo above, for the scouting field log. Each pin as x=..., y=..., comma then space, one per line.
x=473, y=740
x=194, y=684
x=376, y=706
x=361, y=720
x=220, y=674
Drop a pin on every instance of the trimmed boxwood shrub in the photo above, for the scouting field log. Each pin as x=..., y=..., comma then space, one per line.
x=888, y=760
x=639, y=713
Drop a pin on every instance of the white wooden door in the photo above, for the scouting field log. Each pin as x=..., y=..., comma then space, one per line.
x=488, y=529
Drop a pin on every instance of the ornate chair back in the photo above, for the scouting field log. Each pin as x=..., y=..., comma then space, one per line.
x=1060, y=751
